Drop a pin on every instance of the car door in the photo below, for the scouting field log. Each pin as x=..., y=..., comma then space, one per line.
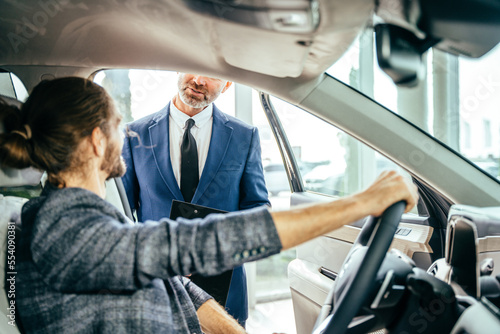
x=344, y=166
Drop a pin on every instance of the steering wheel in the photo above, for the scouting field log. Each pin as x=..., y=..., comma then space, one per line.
x=377, y=233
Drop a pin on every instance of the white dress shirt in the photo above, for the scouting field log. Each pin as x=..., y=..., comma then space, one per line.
x=201, y=131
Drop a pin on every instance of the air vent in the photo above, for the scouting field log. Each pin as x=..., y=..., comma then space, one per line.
x=403, y=231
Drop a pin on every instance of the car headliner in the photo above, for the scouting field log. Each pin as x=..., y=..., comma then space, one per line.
x=98, y=34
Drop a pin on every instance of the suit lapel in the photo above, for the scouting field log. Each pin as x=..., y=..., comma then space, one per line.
x=160, y=141
x=219, y=143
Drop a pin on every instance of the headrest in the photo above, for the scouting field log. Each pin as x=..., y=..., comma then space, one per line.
x=10, y=177
x=11, y=101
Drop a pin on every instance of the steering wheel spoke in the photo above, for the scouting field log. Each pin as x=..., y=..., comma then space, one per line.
x=321, y=327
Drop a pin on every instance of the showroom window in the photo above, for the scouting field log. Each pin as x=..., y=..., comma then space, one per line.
x=487, y=132
x=467, y=135
x=456, y=100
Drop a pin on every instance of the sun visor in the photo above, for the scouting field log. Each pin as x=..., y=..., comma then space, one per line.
x=298, y=16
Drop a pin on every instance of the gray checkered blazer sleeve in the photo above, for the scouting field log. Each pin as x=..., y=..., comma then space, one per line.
x=89, y=246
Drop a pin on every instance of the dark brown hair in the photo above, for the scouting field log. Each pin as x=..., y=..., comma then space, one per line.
x=46, y=131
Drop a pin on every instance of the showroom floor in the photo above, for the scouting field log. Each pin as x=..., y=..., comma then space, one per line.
x=272, y=317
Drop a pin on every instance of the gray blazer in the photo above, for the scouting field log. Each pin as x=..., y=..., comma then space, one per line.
x=82, y=267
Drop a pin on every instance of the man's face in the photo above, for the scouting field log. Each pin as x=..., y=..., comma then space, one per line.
x=113, y=162
x=198, y=91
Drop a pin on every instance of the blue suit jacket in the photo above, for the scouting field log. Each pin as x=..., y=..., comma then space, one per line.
x=232, y=178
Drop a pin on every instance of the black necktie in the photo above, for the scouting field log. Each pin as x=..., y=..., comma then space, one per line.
x=189, y=163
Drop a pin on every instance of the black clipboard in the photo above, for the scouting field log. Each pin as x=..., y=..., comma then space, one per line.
x=217, y=286
x=190, y=210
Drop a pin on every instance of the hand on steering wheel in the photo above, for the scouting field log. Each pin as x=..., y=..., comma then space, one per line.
x=377, y=234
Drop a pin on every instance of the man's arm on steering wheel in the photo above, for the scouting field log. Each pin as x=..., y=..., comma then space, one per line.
x=307, y=222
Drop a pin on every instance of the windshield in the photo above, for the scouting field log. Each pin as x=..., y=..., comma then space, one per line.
x=457, y=101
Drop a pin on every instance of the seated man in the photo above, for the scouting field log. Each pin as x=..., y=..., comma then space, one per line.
x=84, y=267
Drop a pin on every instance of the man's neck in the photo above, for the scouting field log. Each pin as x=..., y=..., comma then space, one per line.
x=188, y=110
x=93, y=181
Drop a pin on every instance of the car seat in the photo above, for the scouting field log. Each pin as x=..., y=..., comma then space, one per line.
x=15, y=188
x=19, y=183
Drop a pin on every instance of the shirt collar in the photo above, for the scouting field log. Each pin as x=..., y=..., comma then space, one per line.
x=200, y=118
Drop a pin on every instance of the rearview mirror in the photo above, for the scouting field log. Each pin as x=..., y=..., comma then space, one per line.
x=399, y=53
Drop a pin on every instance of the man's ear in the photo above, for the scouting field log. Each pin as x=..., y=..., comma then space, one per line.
x=226, y=87
x=98, y=141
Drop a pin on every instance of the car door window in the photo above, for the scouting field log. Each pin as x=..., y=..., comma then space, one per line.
x=331, y=161
x=12, y=87
x=138, y=93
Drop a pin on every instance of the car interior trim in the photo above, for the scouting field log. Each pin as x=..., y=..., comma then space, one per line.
x=291, y=166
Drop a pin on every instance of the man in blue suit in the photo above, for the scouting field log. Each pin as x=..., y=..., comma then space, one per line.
x=229, y=163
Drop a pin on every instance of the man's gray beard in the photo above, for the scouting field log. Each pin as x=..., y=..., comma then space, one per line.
x=193, y=103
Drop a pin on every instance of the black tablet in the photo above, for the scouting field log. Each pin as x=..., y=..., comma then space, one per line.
x=217, y=286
